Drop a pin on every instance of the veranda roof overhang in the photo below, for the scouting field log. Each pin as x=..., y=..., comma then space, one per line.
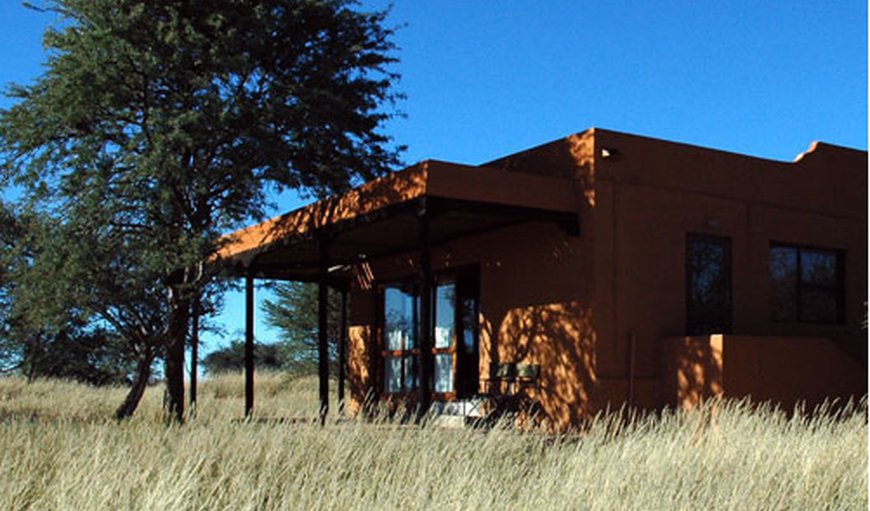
x=383, y=217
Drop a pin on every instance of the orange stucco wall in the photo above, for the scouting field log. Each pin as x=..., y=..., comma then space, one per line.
x=593, y=310
x=535, y=308
x=785, y=370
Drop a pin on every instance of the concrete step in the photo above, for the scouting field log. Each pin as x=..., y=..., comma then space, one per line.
x=472, y=407
x=449, y=421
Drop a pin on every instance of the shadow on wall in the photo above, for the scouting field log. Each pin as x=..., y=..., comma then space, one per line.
x=560, y=339
x=699, y=370
x=294, y=233
x=358, y=361
x=571, y=157
x=391, y=189
x=782, y=370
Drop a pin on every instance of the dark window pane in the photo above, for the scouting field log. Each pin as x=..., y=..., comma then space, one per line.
x=783, y=283
x=819, y=267
x=708, y=288
x=818, y=305
x=805, y=284
x=401, y=306
x=467, y=354
x=818, y=294
x=469, y=324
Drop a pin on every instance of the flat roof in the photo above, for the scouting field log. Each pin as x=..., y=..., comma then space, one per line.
x=381, y=217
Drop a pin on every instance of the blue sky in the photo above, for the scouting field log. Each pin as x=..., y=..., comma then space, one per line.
x=486, y=78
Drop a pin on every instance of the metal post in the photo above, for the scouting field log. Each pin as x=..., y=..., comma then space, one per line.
x=342, y=351
x=425, y=312
x=322, y=333
x=249, y=344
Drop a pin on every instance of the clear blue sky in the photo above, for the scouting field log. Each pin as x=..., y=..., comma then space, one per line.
x=486, y=78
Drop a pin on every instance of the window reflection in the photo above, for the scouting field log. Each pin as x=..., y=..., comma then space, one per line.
x=392, y=374
x=399, y=318
x=444, y=373
x=454, y=350
x=445, y=314
x=708, y=267
x=783, y=277
x=805, y=284
x=400, y=338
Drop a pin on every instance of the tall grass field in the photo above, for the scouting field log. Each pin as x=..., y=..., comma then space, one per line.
x=61, y=451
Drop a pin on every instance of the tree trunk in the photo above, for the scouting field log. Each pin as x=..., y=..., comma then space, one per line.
x=32, y=356
x=143, y=373
x=179, y=316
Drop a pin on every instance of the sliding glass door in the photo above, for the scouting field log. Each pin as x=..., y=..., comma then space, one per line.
x=401, y=310
x=454, y=351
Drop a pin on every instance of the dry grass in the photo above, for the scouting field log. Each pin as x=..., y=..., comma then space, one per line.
x=60, y=453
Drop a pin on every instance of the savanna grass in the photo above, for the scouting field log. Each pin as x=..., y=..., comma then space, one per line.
x=61, y=450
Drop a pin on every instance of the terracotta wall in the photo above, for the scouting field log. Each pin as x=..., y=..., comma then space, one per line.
x=653, y=193
x=785, y=370
x=789, y=369
x=535, y=308
x=361, y=353
x=593, y=310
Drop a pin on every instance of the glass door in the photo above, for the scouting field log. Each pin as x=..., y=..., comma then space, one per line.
x=399, y=348
x=444, y=340
x=455, y=352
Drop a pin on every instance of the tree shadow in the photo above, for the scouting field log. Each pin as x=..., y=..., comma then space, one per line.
x=289, y=242
x=557, y=339
x=692, y=370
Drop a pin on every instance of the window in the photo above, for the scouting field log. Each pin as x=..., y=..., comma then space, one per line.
x=454, y=349
x=806, y=284
x=708, y=284
x=401, y=310
x=443, y=341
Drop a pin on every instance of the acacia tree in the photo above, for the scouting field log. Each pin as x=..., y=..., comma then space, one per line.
x=294, y=313
x=232, y=358
x=159, y=124
x=77, y=302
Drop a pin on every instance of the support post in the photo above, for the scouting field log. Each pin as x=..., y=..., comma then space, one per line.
x=425, y=362
x=249, y=344
x=322, y=327
x=194, y=351
x=342, y=352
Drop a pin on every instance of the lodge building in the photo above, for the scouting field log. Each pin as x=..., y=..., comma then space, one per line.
x=593, y=271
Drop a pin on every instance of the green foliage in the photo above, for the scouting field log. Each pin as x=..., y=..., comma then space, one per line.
x=76, y=352
x=157, y=126
x=181, y=111
x=231, y=359
x=95, y=357
x=294, y=313
x=46, y=306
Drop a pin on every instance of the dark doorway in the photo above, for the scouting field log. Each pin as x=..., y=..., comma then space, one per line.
x=708, y=284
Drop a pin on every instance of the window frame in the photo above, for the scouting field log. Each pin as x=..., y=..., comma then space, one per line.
x=838, y=289
x=384, y=353
x=441, y=278
x=459, y=277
